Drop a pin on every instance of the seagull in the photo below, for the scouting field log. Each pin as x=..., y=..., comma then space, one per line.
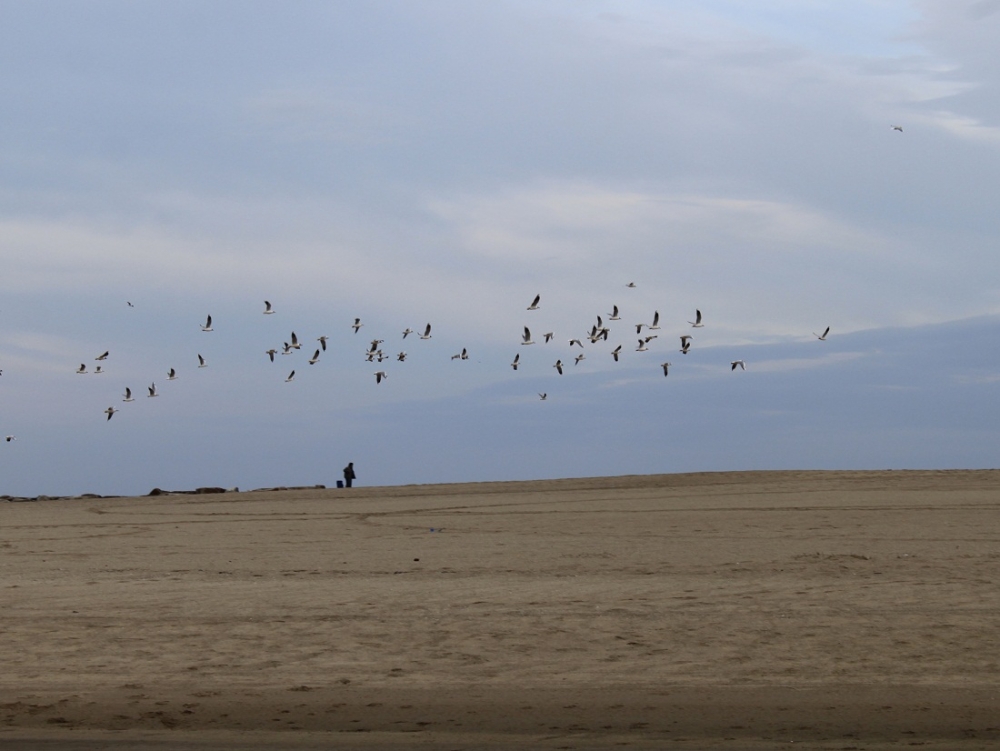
x=401, y=357
x=642, y=346
x=526, y=339
x=575, y=341
x=548, y=337
x=666, y=367
x=129, y=304
x=270, y=353
x=638, y=328
x=295, y=342
x=356, y=325
x=581, y=356
x=128, y=395
x=98, y=370
x=291, y=377
x=534, y=303
x=822, y=337
x=103, y=357
x=613, y=315
x=10, y=438
x=517, y=359
x=631, y=285
x=152, y=391
x=201, y=362
x=543, y=397
x=82, y=369
x=650, y=338
x=379, y=375
x=322, y=341
x=208, y=325
x=697, y=320
x=656, y=320
x=407, y=331
x=685, y=344
x=268, y=310
x=616, y=351
x=558, y=366
x=172, y=375
x=734, y=363
x=897, y=127
x=463, y=355
x=110, y=411
x=286, y=349
x=427, y=332
x=315, y=358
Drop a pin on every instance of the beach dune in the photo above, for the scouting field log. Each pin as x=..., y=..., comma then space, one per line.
x=734, y=610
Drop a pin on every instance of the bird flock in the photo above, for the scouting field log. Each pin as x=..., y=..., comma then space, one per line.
x=594, y=340
x=599, y=332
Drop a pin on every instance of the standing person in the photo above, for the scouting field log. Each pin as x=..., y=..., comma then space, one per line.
x=349, y=474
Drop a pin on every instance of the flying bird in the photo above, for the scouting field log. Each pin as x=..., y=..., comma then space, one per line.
x=616, y=351
x=517, y=359
x=613, y=315
x=656, y=320
x=110, y=411
x=697, y=320
x=575, y=341
x=427, y=332
x=685, y=344
x=534, y=303
x=631, y=285
x=898, y=127
x=152, y=391
x=103, y=357
x=268, y=310
x=543, y=397
x=208, y=325
x=128, y=395
x=642, y=346
x=822, y=337
x=295, y=342
x=172, y=375
x=407, y=331
x=82, y=369
x=379, y=375
x=322, y=341
x=401, y=357
x=548, y=336
x=734, y=363
x=270, y=353
x=10, y=438
x=558, y=367
x=526, y=339
x=286, y=349
x=356, y=325
x=98, y=370
x=581, y=356
x=291, y=377
x=463, y=355
x=666, y=367
x=129, y=304
x=315, y=358
x=201, y=362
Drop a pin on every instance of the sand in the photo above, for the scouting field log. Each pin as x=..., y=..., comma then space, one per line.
x=727, y=610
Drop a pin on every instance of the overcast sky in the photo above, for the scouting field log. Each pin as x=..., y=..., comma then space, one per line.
x=443, y=162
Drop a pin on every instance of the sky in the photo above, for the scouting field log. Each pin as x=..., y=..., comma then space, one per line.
x=443, y=162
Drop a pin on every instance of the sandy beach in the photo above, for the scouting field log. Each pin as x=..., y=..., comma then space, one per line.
x=834, y=610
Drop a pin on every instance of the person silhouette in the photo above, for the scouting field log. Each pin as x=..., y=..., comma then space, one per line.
x=349, y=474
